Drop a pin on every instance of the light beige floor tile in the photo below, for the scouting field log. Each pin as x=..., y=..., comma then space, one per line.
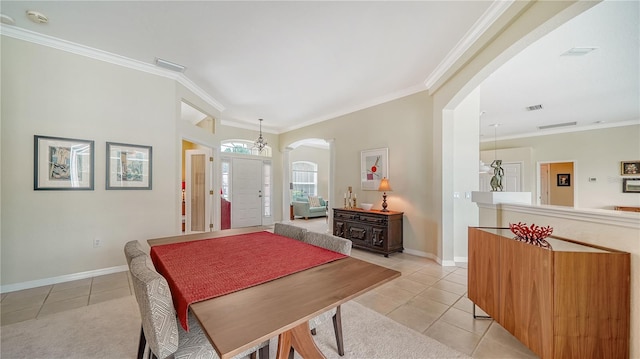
x=407, y=268
x=424, y=278
x=111, y=277
x=379, y=303
x=2, y=295
x=430, y=306
x=453, y=336
x=15, y=303
x=490, y=349
x=394, y=292
x=110, y=282
x=461, y=271
x=466, y=321
x=73, y=292
x=109, y=294
x=452, y=287
x=466, y=305
x=409, y=285
x=440, y=296
x=56, y=307
x=72, y=284
x=497, y=334
x=19, y=315
x=412, y=317
x=457, y=278
x=435, y=271
x=28, y=293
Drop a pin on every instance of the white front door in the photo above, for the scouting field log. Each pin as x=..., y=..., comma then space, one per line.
x=246, y=189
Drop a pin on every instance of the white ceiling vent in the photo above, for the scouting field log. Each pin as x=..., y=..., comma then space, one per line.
x=534, y=108
x=557, y=125
x=578, y=51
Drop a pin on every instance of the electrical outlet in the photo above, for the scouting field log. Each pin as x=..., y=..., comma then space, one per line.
x=97, y=242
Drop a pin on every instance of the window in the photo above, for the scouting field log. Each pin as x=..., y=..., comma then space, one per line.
x=304, y=176
x=226, y=177
x=266, y=170
x=244, y=147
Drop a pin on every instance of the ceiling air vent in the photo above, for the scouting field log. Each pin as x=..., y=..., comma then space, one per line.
x=534, y=108
x=578, y=51
x=557, y=125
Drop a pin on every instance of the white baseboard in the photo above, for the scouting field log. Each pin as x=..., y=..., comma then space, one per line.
x=61, y=279
x=461, y=259
x=435, y=258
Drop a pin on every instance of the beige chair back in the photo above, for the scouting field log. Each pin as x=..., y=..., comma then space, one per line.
x=159, y=321
x=290, y=231
x=133, y=249
x=328, y=241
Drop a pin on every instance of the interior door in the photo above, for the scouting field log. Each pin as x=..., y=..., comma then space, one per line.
x=246, y=190
x=544, y=183
x=197, y=188
x=511, y=181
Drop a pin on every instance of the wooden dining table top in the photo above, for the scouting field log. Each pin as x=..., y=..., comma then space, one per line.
x=240, y=320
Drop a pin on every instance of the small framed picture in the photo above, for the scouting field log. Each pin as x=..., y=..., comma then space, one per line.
x=62, y=164
x=631, y=185
x=564, y=179
x=128, y=166
x=630, y=168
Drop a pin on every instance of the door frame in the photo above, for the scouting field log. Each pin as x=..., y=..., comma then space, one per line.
x=574, y=181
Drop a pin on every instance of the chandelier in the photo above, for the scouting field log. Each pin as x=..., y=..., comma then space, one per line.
x=260, y=143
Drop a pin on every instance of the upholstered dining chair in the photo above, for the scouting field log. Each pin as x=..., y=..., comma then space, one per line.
x=339, y=245
x=133, y=249
x=164, y=336
x=290, y=231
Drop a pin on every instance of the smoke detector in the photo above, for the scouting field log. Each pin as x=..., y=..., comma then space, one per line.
x=37, y=17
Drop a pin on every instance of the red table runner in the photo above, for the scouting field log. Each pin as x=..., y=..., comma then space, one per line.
x=204, y=269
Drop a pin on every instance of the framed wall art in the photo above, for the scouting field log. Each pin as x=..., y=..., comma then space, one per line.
x=564, y=179
x=630, y=168
x=62, y=163
x=128, y=166
x=631, y=185
x=374, y=165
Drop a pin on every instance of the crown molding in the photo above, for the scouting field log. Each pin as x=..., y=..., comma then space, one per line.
x=487, y=19
x=86, y=51
x=595, y=126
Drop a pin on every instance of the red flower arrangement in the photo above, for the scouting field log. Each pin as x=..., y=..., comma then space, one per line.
x=532, y=234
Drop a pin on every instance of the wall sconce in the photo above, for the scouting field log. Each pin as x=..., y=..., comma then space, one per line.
x=384, y=187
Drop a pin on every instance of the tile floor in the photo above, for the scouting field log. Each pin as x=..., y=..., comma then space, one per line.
x=427, y=297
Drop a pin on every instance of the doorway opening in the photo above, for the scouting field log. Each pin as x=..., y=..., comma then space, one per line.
x=197, y=188
x=556, y=184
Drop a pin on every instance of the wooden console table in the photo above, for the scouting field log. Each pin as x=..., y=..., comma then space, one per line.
x=572, y=301
x=373, y=230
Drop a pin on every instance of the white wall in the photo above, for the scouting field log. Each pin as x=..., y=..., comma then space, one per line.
x=53, y=93
x=595, y=153
x=466, y=156
x=402, y=126
x=47, y=236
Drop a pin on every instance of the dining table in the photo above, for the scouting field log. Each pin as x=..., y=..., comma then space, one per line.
x=258, y=309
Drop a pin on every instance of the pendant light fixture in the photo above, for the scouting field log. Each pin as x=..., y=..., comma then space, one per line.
x=260, y=143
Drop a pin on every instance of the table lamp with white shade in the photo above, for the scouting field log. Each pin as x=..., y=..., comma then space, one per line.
x=384, y=187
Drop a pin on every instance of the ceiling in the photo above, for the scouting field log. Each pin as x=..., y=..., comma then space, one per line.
x=298, y=63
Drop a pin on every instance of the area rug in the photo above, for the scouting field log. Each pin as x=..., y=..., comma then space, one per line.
x=110, y=330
